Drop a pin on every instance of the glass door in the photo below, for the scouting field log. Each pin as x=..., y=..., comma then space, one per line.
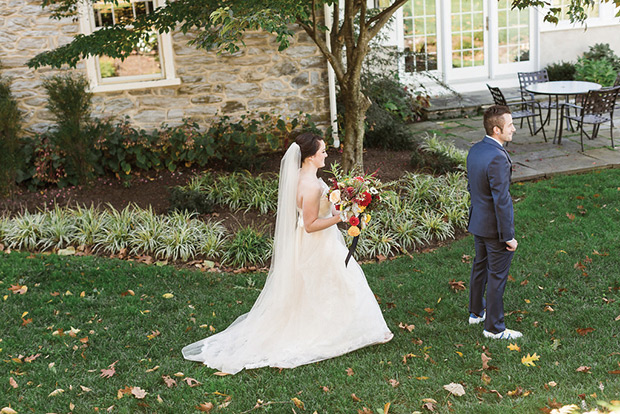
x=512, y=46
x=468, y=57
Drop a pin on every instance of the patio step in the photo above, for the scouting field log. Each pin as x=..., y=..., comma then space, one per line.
x=463, y=105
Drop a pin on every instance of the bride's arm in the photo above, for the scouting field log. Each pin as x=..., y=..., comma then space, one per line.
x=311, y=200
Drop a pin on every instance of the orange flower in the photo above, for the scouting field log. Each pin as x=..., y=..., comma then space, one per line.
x=354, y=231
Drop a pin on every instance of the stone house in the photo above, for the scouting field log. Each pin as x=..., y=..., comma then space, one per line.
x=166, y=80
x=465, y=43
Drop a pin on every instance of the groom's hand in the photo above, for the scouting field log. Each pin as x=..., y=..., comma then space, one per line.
x=511, y=245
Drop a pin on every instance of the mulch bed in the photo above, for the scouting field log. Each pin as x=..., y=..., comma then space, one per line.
x=151, y=189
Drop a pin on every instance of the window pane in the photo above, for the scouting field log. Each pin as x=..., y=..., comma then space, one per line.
x=103, y=15
x=144, y=60
x=456, y=60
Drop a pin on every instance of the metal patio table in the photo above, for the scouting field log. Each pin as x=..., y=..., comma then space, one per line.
x=561, y=88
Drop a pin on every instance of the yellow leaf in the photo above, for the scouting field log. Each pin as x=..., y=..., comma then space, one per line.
x=386, y=408
x=421, y=378
x=24, y=314
x=460, y=354
x=82, y=294
x=68, y=293
x=167, y=295
x=8, y=410
x=514, y=347
x=527, y=301
x=529, y=359
x=298, y=403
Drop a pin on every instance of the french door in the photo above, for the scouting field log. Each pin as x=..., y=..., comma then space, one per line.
x=468, y=39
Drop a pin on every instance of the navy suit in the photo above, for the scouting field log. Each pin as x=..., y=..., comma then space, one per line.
x=491, y=221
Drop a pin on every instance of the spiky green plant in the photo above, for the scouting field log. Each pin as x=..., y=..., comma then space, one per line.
x=212, y=236
x=59, y=229
x=408, y=234
x=434, y=145
x=247, y=247
x=435, y=226
x=149, y=229
x=24, y=231
x=117, y=226
x=88, y=223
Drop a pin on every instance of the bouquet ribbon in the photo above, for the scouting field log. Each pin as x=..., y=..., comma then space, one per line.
x=351, y=250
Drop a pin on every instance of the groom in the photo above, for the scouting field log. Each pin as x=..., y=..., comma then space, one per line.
x=491, y=221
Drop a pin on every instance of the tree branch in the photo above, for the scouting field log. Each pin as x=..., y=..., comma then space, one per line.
x=382, y=18
x=331, y=58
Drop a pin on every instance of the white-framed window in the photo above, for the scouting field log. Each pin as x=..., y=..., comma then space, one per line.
x=420, y=35
x=150, y=64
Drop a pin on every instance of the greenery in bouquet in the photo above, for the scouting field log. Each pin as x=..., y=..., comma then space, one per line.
x=354, y=195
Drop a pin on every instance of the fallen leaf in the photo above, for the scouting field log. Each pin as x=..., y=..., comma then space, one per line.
x=138, y=392
x=85, y=389
x=455, y=389
x=8, y=410
x=614, y=372
x=191, y=382
x=205, y=407
x=584, y=331
x=170, y=382
x=221, y=374
x=128, y=292
x=406, y=327
x=570, y=216
x=298, y=403
x=153, y=334
x=552, y=383
x=355, y=398
x=583, y=369
x=325, y=389
x=394, y=383
x=485, y=361
x=56, y=392
x=529, y=359
x=386, y=408
x=485, y=378
x=73, y=332
x=25, y=322
x=465, y=258
x=350, y=372
x=13, y=383
x=155, y=368
x=514, y=347
x=110, y=371
x=18, y=289
x=457, y=286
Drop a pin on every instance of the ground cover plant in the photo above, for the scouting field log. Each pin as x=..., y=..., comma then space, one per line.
x=86, y=333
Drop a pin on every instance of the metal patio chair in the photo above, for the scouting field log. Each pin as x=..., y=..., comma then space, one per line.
x=598, y=108
x=528, y=109
x=528, y=78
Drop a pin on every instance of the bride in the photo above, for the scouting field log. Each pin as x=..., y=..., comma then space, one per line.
x=312, y=307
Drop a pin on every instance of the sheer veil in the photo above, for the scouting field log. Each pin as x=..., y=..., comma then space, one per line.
x=249, y=340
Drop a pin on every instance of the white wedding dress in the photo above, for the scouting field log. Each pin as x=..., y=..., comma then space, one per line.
x=311, y=308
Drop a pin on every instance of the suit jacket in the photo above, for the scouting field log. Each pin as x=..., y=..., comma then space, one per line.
x=489, y=170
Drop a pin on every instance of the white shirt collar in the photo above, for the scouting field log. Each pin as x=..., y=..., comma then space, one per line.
x=490, y=137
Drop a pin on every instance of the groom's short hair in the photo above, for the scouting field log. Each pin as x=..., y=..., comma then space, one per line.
x=494, y=117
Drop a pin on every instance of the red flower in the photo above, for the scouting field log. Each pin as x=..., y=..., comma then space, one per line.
x=337, y=207
x=358, y=178
x=354, y=221
x=366, y=200
x=350, y=191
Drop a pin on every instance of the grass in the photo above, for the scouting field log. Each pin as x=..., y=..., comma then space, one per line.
x=411, y=290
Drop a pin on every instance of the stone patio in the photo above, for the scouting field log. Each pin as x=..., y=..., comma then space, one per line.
x=532, y=157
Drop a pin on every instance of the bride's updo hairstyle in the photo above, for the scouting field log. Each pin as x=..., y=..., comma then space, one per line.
x=309, y=144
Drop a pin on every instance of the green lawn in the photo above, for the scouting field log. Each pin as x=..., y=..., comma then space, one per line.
x=566, y=279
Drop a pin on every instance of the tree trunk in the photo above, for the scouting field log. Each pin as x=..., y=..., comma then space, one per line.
x=356, y=104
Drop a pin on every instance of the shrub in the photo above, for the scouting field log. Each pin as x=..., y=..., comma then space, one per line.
x=600, y=71
x=561, y=71
x=70, y=103
x=603, y=51
x=10, y=126
x=182, y=199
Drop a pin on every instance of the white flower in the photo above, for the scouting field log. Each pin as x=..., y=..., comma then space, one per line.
x=373, y=190
x=334, y=197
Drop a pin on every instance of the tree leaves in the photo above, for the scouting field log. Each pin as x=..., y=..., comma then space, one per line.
x=529, y=359
x=109, y=371
x=455, y=389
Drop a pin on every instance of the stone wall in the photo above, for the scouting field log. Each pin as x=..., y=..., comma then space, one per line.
x=257, y=79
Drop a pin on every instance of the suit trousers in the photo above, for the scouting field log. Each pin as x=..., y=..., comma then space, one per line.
x=489, y=271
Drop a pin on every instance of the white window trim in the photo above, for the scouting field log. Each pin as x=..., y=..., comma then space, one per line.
x=169, y=71
x=607, y=13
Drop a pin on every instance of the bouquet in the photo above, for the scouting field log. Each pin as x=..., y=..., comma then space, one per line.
x=354, y=196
